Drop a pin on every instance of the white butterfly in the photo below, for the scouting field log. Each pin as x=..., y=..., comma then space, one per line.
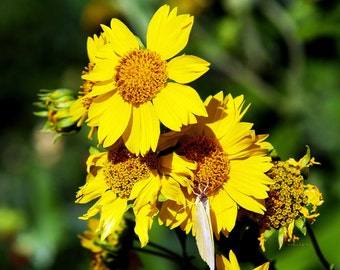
x=203, y=230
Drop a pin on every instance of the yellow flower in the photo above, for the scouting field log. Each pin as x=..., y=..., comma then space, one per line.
x=136, y=88
x=290, y=202
x=121, y=180
x=222, y=263
x=231, y=165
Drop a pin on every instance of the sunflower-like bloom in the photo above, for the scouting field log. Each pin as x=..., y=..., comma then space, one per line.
x=136, y=88
x=122, y=180
x=231, y=165
x=291, y=202
x=222, y=263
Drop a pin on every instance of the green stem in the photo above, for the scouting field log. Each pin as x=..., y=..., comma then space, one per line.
x=317, y=248
x=165, y=250
x=153, y=252
x=168, y=254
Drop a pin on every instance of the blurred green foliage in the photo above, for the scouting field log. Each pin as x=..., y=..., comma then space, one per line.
x=283, y=56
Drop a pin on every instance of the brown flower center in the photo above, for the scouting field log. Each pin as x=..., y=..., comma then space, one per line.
x=140, y=76
x=124, y=169
x=213, y=165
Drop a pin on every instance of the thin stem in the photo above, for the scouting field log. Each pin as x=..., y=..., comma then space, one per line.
x=153, y=252
x=317, y=248
x=165, y=250
x=168, y=254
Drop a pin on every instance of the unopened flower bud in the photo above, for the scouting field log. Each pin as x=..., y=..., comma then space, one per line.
x=55, y=106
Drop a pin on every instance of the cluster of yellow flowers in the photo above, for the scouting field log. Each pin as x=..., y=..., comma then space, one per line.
x=129, y=91
x=163, y=152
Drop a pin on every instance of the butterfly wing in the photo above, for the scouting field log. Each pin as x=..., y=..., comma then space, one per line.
x=203, y=231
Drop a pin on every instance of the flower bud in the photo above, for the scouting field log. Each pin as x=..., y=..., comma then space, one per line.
x=55, y=106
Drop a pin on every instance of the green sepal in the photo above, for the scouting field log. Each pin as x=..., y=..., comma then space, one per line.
x=268, y=233
x=274, y=155
x=306, y=158
x=281, y=237
x=162, y=198
x=93, y=150
x=140, y=43
x=300, y=223
x=41, y=113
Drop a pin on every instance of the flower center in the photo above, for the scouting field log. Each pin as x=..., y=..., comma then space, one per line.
x=140, y=76
x=286, y=196
x=213, y=165
x=124, y=169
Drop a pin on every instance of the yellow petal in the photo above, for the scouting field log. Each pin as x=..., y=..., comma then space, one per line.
x=224, y=212
x=106, y=198
x=93, y=44
x=184, y=99
x=101, y=88
x=109, y=219
x=143, y=130
x=102, y=71
x=172, y=191
x=187, y=68
x=108, y=110
x=245, y=201
x=144, y=220
x=168, y=33
x=77, y=111
x=249, y=182
x=98, y=159
x=233, y=261
x=178, y=165
x=264, y=266
x=94, y=187
x=173, y=215
x=221, y=262
x=145, y=191
x=121, y=38
x=215, y=109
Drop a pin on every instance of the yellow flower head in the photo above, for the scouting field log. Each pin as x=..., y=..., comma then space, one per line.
x=116, y=177
x=136, y=88
x=231, y=165
x=121, y=180
x=290, y=200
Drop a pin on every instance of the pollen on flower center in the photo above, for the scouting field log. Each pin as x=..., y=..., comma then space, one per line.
x=286, y=196
x=213, y=165
x=140, y=76
x=124, y=169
